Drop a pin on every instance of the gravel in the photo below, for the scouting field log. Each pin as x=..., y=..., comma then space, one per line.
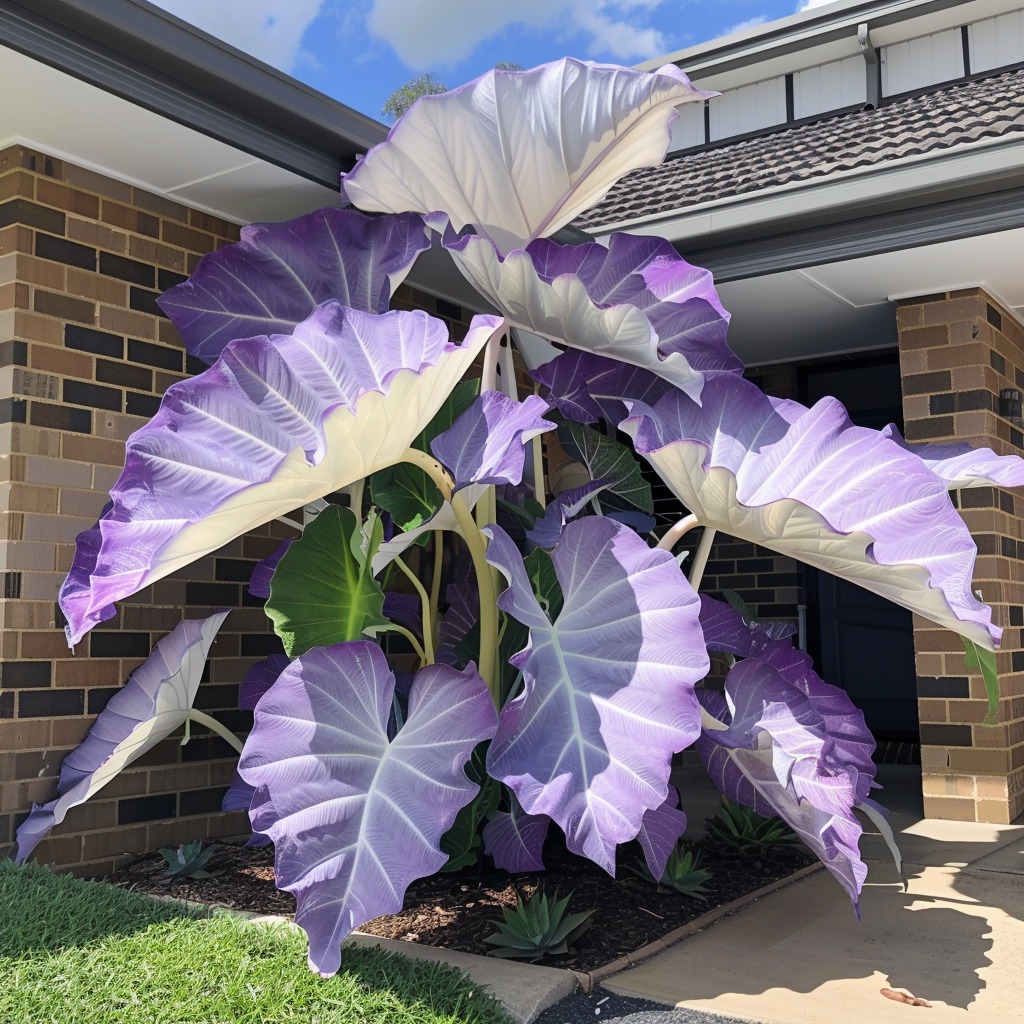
x=600, y=1006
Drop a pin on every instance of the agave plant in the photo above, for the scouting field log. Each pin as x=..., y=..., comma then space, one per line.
x=556, y=636
x=681, y=874
x=746, y=833
x=537, y=928
x=187, y=860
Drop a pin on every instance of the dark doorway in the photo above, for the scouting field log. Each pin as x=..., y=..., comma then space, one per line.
x=860, y=641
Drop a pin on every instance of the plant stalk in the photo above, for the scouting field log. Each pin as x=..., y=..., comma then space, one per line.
x=676, y=533
x=214, y=726
x=427, y=650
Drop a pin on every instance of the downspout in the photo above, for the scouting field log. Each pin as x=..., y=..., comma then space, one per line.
x=871, y=66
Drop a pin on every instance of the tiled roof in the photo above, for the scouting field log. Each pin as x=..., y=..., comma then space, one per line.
x=942, y=119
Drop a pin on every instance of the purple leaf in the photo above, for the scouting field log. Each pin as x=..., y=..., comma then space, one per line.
x=548, y=528
x=520, y=154
x=659, y=832
x=404, y=609
x=962, y=465
x=598, y=300
x=259, y=582
x=777, y=756
x=809, y=484
x=278, y=274
x=485, y=445
x=239, y=797
x=275, y=424
x=259, y=679
x=514, y=840
x=355, y=819
x=608, y=687
x=154, y=703
x=586, y=388
x=461, y=616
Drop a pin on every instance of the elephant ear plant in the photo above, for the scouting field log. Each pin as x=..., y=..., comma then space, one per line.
x=561, y=649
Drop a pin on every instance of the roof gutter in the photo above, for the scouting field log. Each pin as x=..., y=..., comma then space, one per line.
x=138, y=52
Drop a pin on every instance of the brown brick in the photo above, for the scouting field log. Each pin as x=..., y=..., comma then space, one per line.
x=31, y=327
x=14, y=295
x=17, y=184
x=26, y=734
x=57, y=360
x=67, y=199
x=97, y=286
x=129, y=219
x=949, y=808
x=123, y=321
x=146, y=250
x=65, y=307
x=995, y=812
x=215, y=225
x=116, y=843
x=15, y=238
x=93, y=449
x=98, y=235
x=979, y=762
x=925, y=337
x=49, y=644
x=42, y=272
x=187, y=238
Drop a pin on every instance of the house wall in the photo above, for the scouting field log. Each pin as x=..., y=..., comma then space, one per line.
x=957, y=351
x=85, y=356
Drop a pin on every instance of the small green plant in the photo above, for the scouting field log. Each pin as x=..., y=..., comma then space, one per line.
x=745, y=833
x=187, y=860
x=537, y=928
x=681, y=874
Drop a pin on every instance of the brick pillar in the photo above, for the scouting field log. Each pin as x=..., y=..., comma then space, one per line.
x=957, y=351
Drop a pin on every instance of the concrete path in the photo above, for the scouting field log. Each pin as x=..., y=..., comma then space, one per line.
x=798, y=956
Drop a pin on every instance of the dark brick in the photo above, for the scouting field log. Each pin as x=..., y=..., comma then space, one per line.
x=1007, y=547
x=993, y=316
x=449, y=309
x=144, y=301
x=64, y=306
x=154, y=355
x=1006, y=502
x=997, y=361
x=211, y=697
x=233, y=570
x=987, y=543
x=51, y=703
x=12, y=410
x=209, y=595
x=17, y=675
x=127, y=270
x=945, y=735
x=124, y=375
x=146, y=808
x=93, y=395
x=250, y=601
x=14, y=353
x=1017, y=661
x=978, y=497
x=200, y=801
x=261, y=645
x=1018, y=377
x=938, y=426
x=100, y=343
x=60, y=417
x=1016, y=438
x=924, y=383
x=194, y=365
x=141, y=405
x=940, y=404
x=59, y=250
x=115, y=643
x=968, y=401
x=12, y=584
x=21, y=211
x=1016, y=615
x=919, y=300
x=755, y=565
x=6, y=704
x=946, y=686
x=166, y=279
x=775, y=611
x=99, y=696
x=208, y=748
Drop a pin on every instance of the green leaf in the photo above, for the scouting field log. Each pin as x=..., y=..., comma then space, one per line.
x=608, y=459
x=546, y=587
x=406, y=492
x=322, y=592
x=983, y=661
x=462, y=841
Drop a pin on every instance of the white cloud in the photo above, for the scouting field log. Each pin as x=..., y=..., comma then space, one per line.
x=806, y=5
x=742, y=26
x=430, y=36
x=270, y=30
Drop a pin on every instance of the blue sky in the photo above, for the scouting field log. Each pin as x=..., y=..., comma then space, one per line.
x=359, y=51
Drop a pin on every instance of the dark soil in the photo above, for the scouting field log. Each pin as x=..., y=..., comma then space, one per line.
x=458, y=910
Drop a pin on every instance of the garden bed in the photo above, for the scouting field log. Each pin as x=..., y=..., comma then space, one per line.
x=458, y=910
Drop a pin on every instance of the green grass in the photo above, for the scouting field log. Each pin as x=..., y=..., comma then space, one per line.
x=76, y=952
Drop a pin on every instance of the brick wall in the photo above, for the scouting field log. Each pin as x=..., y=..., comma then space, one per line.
x=84, y=356
x=957, y=351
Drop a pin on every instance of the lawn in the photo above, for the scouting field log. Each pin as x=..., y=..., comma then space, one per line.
x=78, y=952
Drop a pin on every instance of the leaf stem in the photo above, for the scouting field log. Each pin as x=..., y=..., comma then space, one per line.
x=435, y=582
x=675, y=533
x=474, y=539
x=394, y=627
x=700, y=558
x=212, y=724
x=427, y=650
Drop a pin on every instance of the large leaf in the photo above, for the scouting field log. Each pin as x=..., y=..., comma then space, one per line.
x=323, y=591
x=486, y=444
x=276, y=423
x=278, y=274
x=809, y=484
x=596, y=299
x=514, y=840
x=152, y=705
x=962, y=465
x=263, y=573
x=608, y=460
x=462, y=842
x=520, y=154
x=660, y=831
x=259, y=679
x=778, y=756
x=405, y=491
x=608, y=694
x=355, y=818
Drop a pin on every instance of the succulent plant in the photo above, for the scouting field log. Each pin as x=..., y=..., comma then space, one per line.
x=681, y=874
x=537, y=928
x=746, y=833
x=187, y=860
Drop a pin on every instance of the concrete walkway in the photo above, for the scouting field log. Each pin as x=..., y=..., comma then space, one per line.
x=798, y=956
